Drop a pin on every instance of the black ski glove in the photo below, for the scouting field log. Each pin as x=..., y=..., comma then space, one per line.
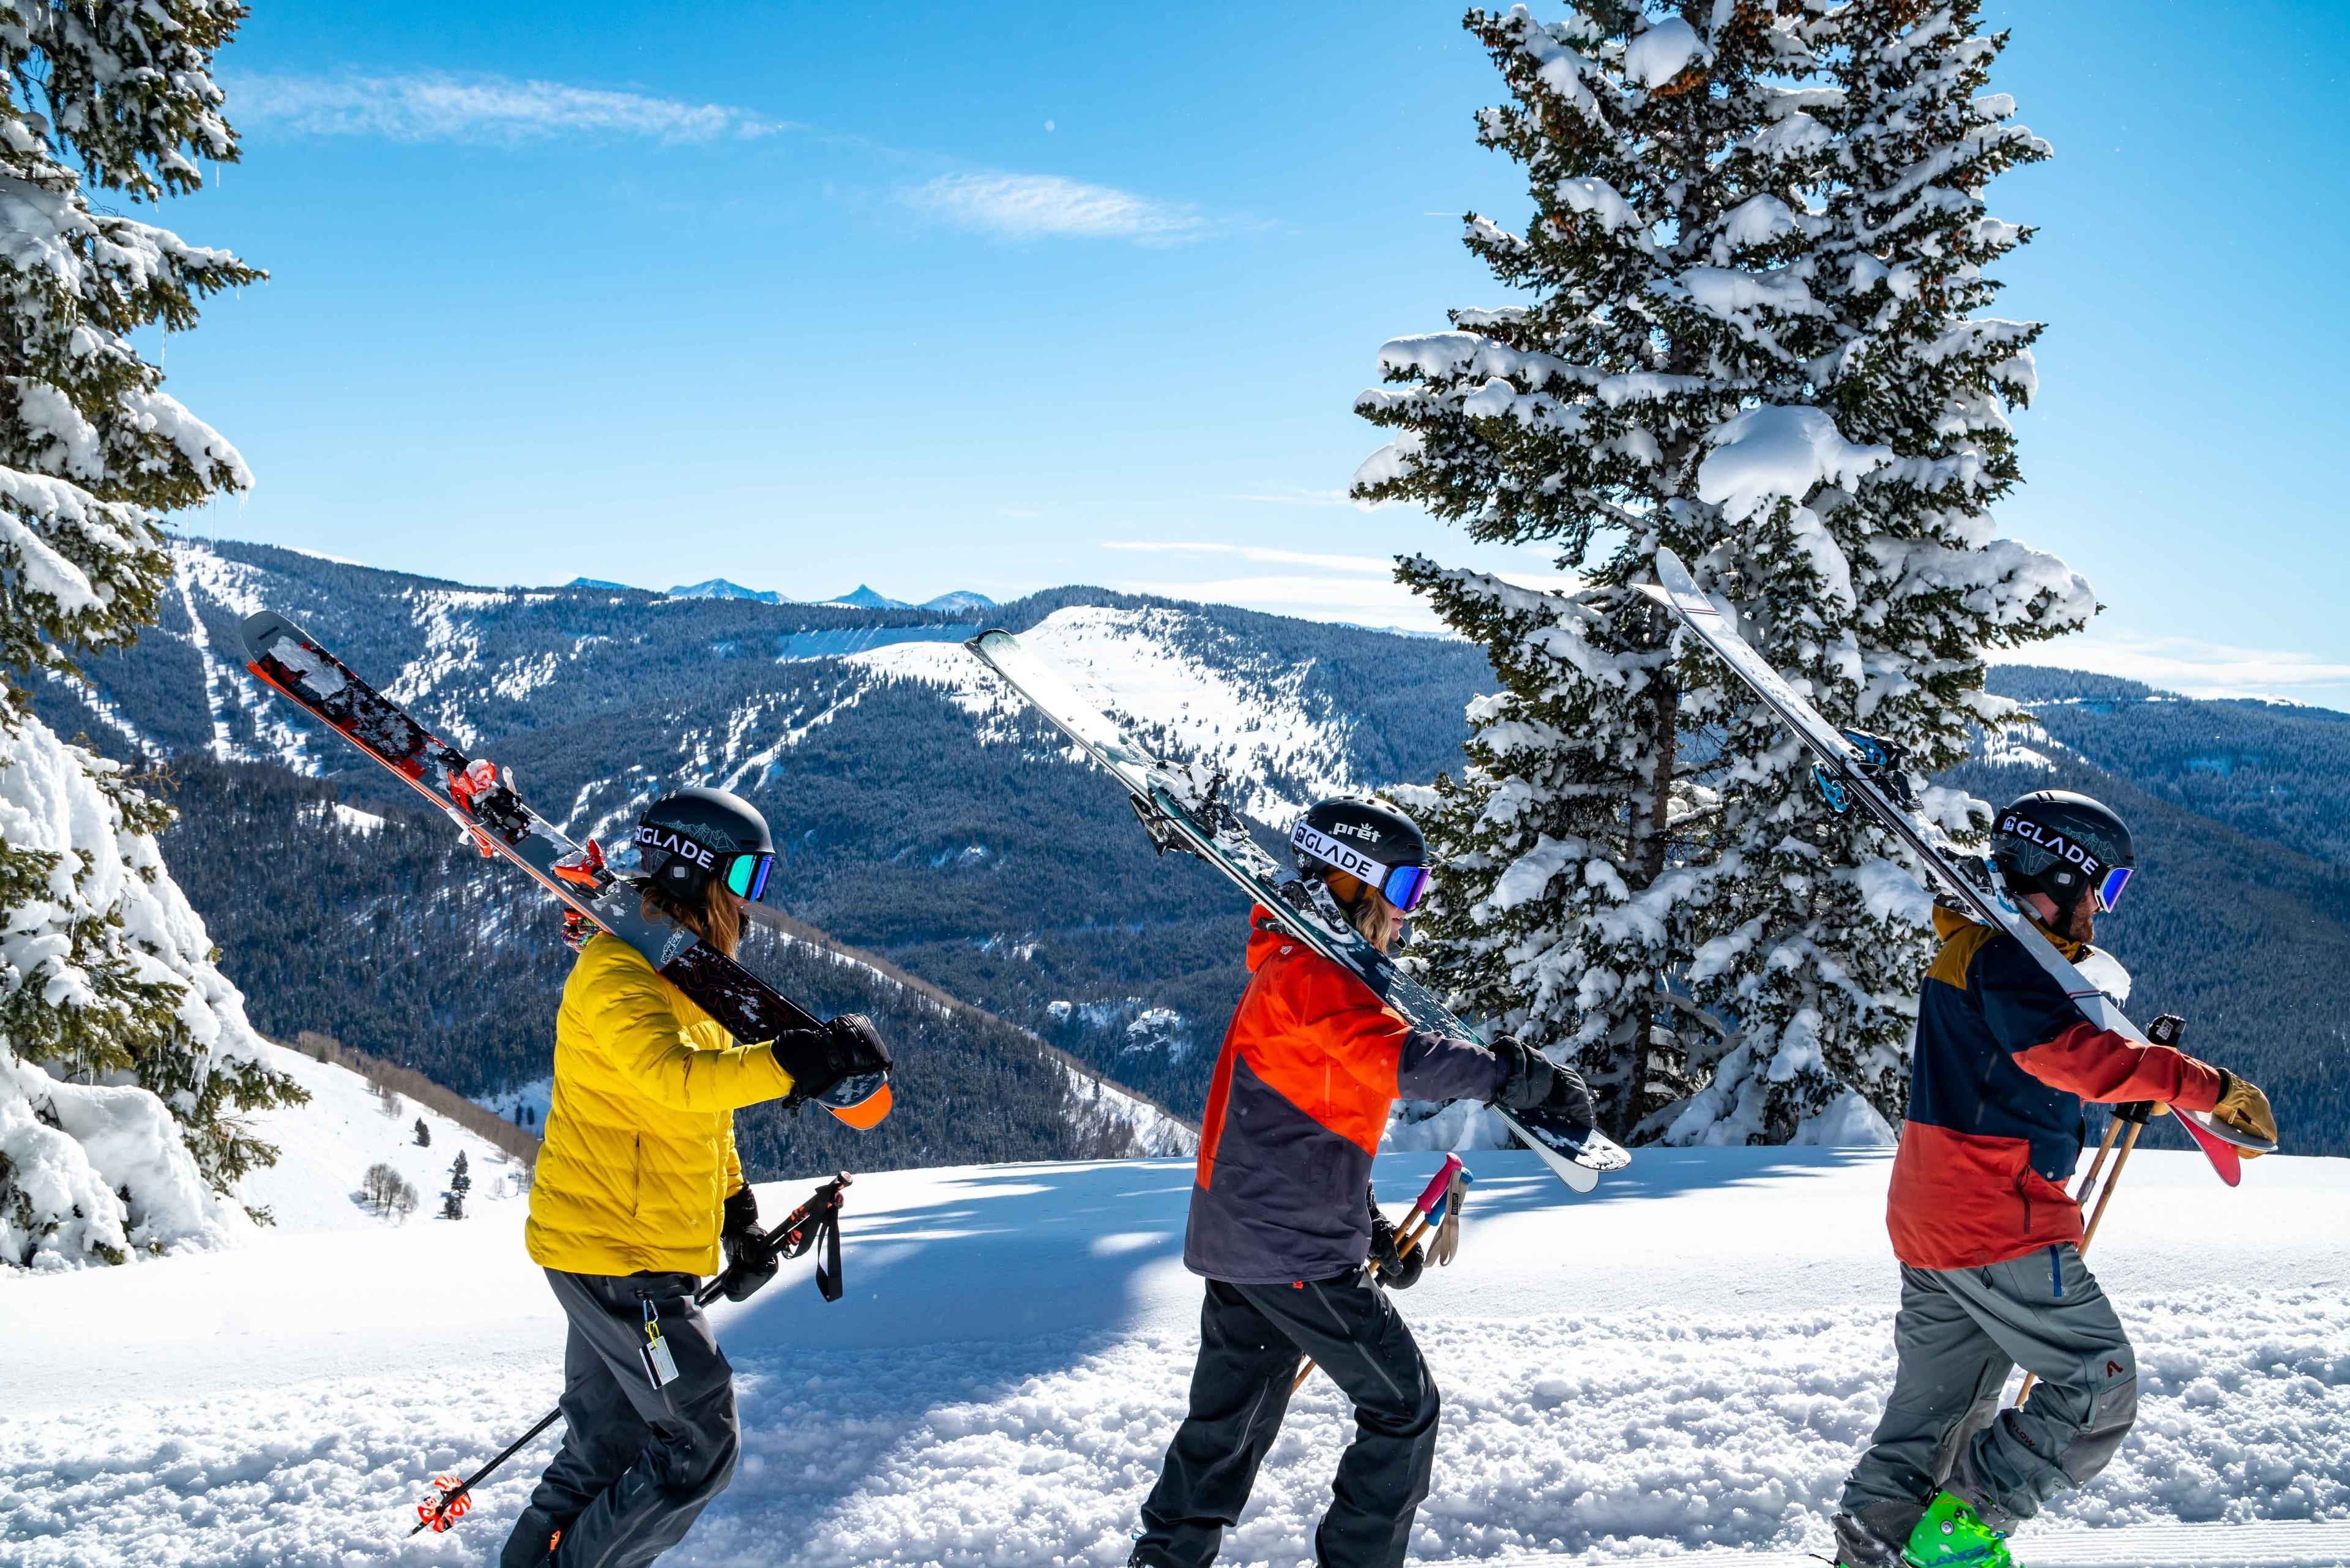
x=1397, y=1270
x=1570, y=1099
x=1527, y=1082
x=750, y=1262
x=847, y=1047
x=741, y=1213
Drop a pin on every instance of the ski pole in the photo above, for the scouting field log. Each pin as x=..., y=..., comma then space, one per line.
x=2089, y=1182
x=2137, y=1114
x=456, y=1496
x=1408, y=1236
x=816, y=1220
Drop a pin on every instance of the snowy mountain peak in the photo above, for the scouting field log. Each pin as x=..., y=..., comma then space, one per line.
x=720, y=589
x=863, y=596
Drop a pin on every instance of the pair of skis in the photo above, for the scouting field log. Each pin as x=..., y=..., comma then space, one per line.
x=1855, y=769
x=482, y=802
x=1181, y=808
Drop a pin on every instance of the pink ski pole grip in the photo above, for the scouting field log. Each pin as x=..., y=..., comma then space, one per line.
x=1439, y=1186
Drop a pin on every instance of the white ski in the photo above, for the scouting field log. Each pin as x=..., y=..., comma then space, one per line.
x=1179, y=810
x=1850, y=767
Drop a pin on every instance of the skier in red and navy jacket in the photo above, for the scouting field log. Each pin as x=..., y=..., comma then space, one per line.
x=1988, y=1238
x=1283, y=1223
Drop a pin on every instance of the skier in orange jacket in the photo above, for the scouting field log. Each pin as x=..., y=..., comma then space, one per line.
x=1282, y=1224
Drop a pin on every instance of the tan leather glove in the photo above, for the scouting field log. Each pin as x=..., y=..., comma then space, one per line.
x=2244, y=1108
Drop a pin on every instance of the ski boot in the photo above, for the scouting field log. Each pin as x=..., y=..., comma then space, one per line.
x=1869, y=1539
x=1953, y=1535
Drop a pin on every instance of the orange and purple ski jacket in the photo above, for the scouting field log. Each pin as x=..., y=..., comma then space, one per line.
x=2002, y=1065
x=1312, y=1065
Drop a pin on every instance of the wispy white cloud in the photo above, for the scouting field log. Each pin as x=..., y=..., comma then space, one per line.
x=433, y=106
x=1296, y=495
x=1044, y=206
x=1372, y=565
x=2195, y=668
x=1357, y=589
x=1359, y=601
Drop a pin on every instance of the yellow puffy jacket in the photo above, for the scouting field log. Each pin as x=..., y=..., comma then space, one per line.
x=639, y=1153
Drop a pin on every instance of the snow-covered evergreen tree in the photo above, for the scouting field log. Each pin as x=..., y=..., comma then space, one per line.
x=1750, y=334
x=127, y=1054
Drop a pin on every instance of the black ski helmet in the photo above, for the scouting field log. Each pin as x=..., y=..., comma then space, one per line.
x=1377, y=844
x=2065, y=844
x=686, y=839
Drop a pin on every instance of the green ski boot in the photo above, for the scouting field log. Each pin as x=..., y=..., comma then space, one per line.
x=1953, y=1535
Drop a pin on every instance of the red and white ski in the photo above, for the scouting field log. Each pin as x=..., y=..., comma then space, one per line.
x=483, y=803
x=1854, y=768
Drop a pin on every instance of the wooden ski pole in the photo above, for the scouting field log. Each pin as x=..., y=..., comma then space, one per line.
x=2089, y=1182
x=2136, y=1115
x=1409, y=1237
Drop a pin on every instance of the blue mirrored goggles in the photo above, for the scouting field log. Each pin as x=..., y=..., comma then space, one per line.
x=2109, y=892
x=1405, y=887
x=747, y=877
x=1402, y=886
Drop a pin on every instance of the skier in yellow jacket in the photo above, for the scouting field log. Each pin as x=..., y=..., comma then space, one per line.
x=638, y=1192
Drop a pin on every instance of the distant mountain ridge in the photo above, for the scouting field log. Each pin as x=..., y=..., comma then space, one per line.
x=921, y=814
x=924, y=816
x=862, y=596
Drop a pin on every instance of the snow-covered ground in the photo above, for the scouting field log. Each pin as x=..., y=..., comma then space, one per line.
x=1681, y=1364
x=1184, y=687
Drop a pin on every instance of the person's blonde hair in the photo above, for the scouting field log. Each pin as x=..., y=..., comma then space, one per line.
x=715, y=917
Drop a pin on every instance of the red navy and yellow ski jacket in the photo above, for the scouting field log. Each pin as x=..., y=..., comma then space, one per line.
x=2002, y=1065
x=1312, y=1065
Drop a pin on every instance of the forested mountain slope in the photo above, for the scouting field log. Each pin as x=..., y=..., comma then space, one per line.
x=927, y=818
x=2245, y=937
x=2278, y=770
x=920, y=814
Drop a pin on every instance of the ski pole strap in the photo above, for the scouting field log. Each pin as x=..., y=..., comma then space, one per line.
x=816, y=1222
x=820, y=1230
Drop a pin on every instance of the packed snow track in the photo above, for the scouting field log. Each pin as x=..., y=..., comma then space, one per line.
x=1679, y=1366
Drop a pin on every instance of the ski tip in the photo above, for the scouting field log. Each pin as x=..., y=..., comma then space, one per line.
x=2227, y=1157
x=993, y=637
x=861, y=1102
x=263, y=628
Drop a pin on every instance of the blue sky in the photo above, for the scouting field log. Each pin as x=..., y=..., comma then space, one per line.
x=1004, y=296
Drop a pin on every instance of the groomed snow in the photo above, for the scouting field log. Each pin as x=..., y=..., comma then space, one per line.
x=1681, y=1364
x=1140, y=667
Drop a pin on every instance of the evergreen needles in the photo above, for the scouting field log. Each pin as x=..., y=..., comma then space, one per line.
x=128, y=1056
x=1749, y=327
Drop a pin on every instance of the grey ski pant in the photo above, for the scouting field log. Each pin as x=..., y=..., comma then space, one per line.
x=637, y=1463
x=1959, y=1334
x=1250, y=1340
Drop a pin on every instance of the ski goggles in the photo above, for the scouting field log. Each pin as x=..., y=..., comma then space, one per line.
x=1402, y=886
x=747, y=878
x=2109, y=889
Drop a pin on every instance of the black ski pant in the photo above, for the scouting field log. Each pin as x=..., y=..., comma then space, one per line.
x=637, y=1463
x=1252, y=1338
